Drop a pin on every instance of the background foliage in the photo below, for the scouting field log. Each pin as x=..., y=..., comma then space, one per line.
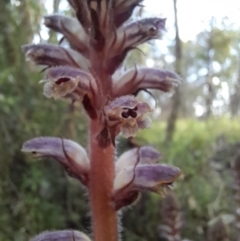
x=36, y=196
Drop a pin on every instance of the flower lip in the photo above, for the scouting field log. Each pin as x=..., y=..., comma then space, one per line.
x=142, y=177
x=62, y=81
x=126, y=114
x=156, y=26
x=130, y=113
x=126, y=106
x=59, y=88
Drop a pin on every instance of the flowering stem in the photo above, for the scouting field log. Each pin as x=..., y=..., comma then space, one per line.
x=101, y=184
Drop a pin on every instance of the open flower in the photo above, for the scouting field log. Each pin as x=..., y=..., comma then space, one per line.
x=147, y=177
x=68, y=153
x=137, y=171
x=126, y=115
x=62, y=81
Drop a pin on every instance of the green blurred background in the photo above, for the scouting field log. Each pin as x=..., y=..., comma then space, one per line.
x=197, y=129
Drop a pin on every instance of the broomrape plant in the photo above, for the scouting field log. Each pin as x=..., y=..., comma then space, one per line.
x=99, y=38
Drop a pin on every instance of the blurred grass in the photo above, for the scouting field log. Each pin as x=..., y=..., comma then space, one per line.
x=194, y=129
x=204, y=192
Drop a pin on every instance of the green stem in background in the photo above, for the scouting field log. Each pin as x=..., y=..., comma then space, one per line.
x=100, y=188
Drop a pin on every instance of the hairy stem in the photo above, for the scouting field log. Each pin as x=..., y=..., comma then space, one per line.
x=101, y=183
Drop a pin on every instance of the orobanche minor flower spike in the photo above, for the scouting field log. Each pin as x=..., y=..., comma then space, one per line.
x=99, y=38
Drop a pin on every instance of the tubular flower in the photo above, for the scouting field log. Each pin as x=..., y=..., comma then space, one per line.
x=68, y=153
x=136, y=33
x=63, y=81
x=136, y=171
x=130, y=36
x=54, y=55
x=126, y=114
x=71, y=29
x=144, y=78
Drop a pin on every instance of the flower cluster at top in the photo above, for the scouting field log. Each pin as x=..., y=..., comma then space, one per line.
x=74, y=71
x=81, y=68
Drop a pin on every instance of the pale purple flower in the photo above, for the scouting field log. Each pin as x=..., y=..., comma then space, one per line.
x=136, y=79
x=147, y=177
x=136, y=33
x=62, y=81
x=68, y=153
x=61, y=235
x=54, y=55
x=137, y=170
x=71, y=73
x=125, y=114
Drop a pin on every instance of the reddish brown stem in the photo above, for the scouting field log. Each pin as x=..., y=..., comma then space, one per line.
x=101, y=183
